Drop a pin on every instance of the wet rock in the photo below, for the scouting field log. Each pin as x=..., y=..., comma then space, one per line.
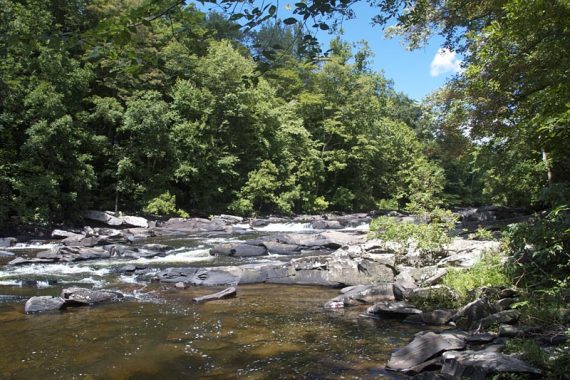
x=259, y=222
x=326, y=225
x=133, y=234
x=6, y=254
x=180, y=285
x=175, y=226
x=161, y=248
x=435, y=317
x=84, y=296
x=224, y=294
x=82, y=241
x=424, y=346
x=400, y=309
x=483, y=364
x=327, y=239
x=276, y=248
x=506, y=316
x=103, y=217
x=363, y=295
x=201, y=276
x=8, y=242
x=23, y=261
x=43, y=303
x=238, y=250
x=50, y=255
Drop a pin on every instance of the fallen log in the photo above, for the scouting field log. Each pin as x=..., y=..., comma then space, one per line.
x=226, y=293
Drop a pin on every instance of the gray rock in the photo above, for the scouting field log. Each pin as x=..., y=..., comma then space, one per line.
x=224, y=294
x=23, y=261
x=228, y=219
x=473, y=311
x=43, y=303
x=6, y=254
x=61, y=234
x=84, y=296
x=435, y=317
x=400, y=309
x=103, y=217
x=201, y=276
x=175, y=226
x=363, y=295
x=326, y=225
x=423, y=347
x=481, y=365
x=276, y=248
x=504, y=304
x=180, y=285
x=481, y=338
x=237, y=250
x=8, y=242
x=506, y=316
x=259, y=222
x=135, y=221
x=81, y=241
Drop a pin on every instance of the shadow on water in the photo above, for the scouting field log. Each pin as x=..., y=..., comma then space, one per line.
x=267, y=332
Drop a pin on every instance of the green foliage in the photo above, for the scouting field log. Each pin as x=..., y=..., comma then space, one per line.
x=539, y=250
x=482, y=234
x=429, y=237
x=488, y=272
x=528, y=351
x=164, y=205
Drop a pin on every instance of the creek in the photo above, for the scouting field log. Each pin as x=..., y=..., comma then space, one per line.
x=268, y=331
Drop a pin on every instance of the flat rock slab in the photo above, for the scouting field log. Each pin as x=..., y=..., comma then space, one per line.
x=400, y=309
x=424, y=347
x=435, y=317
x=238, y=250
x=226, y=293
x=43, y=303
x=481, y=365
x=6, y=254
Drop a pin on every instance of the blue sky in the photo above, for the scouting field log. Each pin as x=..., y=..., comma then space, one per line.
x=415, y=73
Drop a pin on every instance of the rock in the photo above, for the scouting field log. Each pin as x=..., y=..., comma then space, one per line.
x=504, y=304
x=43, y=303
x=226, y=293
x=435, y=293
x=6, y=254
x=465, y=253
x=237, y=250
x=180, y=285
x=327, y=239
x=406, y=280
x=8, y=242
x=81, y=241
x=480, y=338
x=508, y=293
x=424, y=346
x=259, y=222
x=50, y=255
x=135, y=221
x=61, y=234
x=228, y=219
x=435, y=317
x=201, y=276
x=103, y=217
x=506, y=316
x=553, y=340
x=178, y=226
x=473, y=311
x=326, y=225
x=482, y=364
x=84, y=296
x=400, y=309
x=423, y=276
x=432, y=375
x=363, y=295
x=161, y=248
x=276, y=248
x=508, y=331
x=22, y=261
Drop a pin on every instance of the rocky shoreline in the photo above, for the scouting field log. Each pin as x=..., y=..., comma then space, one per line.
x=462, y=342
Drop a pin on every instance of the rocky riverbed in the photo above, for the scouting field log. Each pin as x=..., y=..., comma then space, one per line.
x=119, y=261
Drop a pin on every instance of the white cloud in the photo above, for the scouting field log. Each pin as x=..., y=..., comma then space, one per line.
x=445, y=61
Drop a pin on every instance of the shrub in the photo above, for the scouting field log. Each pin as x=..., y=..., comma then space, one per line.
x=428, y=237
x=487, y=272
x=164, y=205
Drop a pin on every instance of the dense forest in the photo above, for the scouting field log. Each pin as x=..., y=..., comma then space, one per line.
x=160, y=108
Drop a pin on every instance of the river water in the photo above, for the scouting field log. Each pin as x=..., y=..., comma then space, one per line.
x=157, y=332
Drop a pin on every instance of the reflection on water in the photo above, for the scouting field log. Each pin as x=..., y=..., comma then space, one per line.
x=267, y=332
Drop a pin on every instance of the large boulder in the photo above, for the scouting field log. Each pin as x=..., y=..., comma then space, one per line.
x=180, y=226
x=473, y=311
x=43, y=303
x=201, y=276
x=135, y=221
x=85, y=297
x=423, y=347
x=61, y=234
x=480, y=365
x=326, y=225
x=8, y=242
x=400, y=309
x=103, y=217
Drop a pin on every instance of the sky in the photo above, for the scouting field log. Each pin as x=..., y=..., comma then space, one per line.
x=416, y=73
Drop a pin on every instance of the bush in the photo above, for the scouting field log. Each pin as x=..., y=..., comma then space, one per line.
x=164, y=205
x=487, y=272
x=428, y=237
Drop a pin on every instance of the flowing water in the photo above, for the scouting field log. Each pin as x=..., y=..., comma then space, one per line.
x=157, y=332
